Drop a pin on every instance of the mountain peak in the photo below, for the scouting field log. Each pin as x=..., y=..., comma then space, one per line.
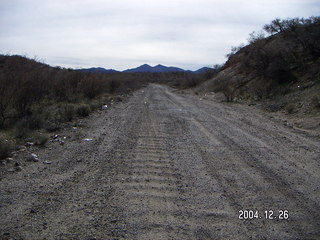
x=157, y=68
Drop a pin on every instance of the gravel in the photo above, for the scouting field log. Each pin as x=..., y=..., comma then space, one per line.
x=163, y=165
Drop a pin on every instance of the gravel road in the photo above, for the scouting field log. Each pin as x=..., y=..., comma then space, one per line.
x=163, y=165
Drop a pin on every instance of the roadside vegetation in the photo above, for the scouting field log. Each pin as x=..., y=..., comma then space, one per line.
x=36, y=99
x=278, y=68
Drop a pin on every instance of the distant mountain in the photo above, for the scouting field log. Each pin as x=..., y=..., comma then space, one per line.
x=158, y=68
x=144, y=68
x=97, y=70
x=202, y=70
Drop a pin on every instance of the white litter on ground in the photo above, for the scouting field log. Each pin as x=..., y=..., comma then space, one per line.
x=88, y=139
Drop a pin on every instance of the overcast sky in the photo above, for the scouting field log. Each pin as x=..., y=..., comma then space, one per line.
x=122, y=34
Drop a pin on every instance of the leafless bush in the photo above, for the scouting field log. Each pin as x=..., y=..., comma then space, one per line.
x=83, y=110
x=5, y=148
x=290, y=108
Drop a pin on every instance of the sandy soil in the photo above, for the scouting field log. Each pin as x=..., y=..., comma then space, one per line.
x=163, y=165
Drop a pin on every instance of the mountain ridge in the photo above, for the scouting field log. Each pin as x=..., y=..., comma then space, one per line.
x=144, y=68
x=97, y=70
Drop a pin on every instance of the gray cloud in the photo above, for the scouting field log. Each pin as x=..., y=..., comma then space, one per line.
x=125, y=33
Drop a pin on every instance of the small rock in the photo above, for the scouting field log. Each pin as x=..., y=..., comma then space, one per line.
x=47, y=162
x=17, y=164
x=61, y=142
x=8, y=160
x=33, y=211
x=11, y=170
x=33, y=158
x=22, y=149
x=29, y=144
x=19, y=168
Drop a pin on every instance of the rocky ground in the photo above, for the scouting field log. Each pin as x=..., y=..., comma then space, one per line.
x=164, y=165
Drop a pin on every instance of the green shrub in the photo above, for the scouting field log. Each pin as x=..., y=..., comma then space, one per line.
x=51, y=126
x=5, y=149
x=44, y=112
x=68, y=112
x=290, y=108
x=118, y=98
x=95, y=104
x=83, y=110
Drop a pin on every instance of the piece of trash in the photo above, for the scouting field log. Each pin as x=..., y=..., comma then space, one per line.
x=88, y=139
x=74, y=127
x=104, y=106
x=47, y=162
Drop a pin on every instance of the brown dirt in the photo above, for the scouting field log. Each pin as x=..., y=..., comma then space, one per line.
x=163, y=165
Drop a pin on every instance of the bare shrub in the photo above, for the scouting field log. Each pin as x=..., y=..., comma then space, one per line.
x=21, y=129
x=83, y=110
x=315, y=101
x=256, y=36
x=5, y=149
x=290, y=108
x=40, y=139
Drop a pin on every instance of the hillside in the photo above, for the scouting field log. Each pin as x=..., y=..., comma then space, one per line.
x=280, y=72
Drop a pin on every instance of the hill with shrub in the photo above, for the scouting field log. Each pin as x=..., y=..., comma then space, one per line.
x=282, y=71
x=35, y=97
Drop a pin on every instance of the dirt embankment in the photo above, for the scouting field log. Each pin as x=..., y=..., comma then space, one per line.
x=167, y=166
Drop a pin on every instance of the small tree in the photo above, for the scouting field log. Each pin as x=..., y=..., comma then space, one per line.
x=256, y=36
x=275, y=26
x=234, y=50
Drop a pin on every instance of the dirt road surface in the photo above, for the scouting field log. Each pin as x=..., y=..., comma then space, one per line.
x=163, y=165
